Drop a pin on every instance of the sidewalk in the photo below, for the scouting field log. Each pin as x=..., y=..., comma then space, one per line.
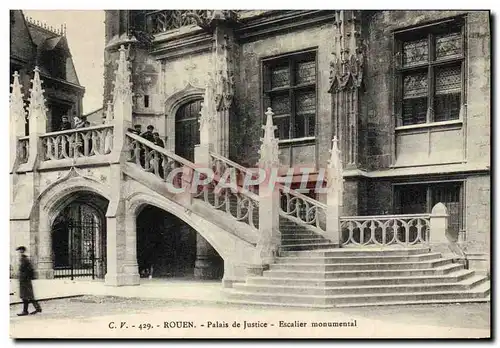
x=162, y=288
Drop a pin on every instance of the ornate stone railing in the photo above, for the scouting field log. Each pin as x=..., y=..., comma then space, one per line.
x=240, y=203
x=24, y=149
x=244, y=176
x=164, y=20
x=302, y=210
x=75, y=143
x=383, y=230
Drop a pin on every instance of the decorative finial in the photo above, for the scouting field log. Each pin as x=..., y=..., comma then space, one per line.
x=269, y=151
x=335, y=171
x=37, y=101
x=17, y=111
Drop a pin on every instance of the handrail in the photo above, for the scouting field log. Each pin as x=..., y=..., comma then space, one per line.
x=279, y=185
x=302, y=196
x=231, y=163
x=162, y=150
x=75, y=130
x=185, y=162
x=385, y=217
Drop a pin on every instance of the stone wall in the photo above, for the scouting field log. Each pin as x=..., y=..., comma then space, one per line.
x=249, y=113
x=477, y=205
x=378, y=99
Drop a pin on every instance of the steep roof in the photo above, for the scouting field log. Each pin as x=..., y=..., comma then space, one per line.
x=31, y=40
x=21, y=43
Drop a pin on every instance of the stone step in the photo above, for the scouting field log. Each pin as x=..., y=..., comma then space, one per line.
x=305, y=240
x=479, y=292
x=299, y=234
x=355, y=259
x=464, y=285
x=308, y=247
x=425, y=279
x=420, y=302
x=446, y=269
x=347, y=305
x=333, y=252
x=360, y=266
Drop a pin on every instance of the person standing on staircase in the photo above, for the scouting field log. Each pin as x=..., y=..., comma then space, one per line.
x=148, y=134
x=26, y=275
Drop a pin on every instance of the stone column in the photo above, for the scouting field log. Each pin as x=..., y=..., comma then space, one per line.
x=121, y=246
x=40, y=225
x=204, y=251
x=270, y=237
x=334, y=195
x=203, y=266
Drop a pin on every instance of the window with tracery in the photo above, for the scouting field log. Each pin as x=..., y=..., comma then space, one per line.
x=289, y=87
x=430, y=73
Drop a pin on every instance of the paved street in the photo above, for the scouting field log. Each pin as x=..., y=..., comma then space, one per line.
x=96, y=316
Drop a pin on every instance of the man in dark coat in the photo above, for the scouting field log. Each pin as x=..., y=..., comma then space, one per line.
x=26, y=274
x=157, y=140
x=148, y=134
x=65, y=124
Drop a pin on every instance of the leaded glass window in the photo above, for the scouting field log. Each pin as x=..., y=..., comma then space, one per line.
x=430, y=73
x=290, y=90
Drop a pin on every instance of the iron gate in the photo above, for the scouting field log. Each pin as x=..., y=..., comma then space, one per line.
x=82, y=245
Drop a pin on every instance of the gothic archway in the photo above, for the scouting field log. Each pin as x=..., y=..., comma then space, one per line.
x=167, y=247
x=79, y=237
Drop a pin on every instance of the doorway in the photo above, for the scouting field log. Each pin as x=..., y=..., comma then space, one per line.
x=79, y=242
x=187, y=129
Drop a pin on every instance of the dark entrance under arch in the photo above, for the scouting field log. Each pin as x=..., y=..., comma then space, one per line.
x=79, y=238
x=167, y=247
x=187, y=129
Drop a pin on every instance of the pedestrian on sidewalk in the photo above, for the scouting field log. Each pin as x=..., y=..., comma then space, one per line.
x=26, y=274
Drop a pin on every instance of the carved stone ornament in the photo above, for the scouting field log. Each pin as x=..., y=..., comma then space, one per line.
x=16, y=106
x=269, y=151
x=346, y=67
x=208, y=114
x=212, y=18
x=224, y=73
x=37, y=109
x=122, y=84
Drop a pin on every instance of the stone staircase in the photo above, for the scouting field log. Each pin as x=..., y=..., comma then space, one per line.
x=296, y=237
x=307, y=275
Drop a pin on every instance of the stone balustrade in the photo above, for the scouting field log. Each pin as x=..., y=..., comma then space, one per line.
x=240, y=203
x=384, y=230
x=303, y=210
x=75, y=143
x=245, y=177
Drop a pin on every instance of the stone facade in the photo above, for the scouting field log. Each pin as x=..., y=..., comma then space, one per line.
x=356, y=100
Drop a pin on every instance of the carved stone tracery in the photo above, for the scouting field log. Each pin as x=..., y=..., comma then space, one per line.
x=346, y=82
